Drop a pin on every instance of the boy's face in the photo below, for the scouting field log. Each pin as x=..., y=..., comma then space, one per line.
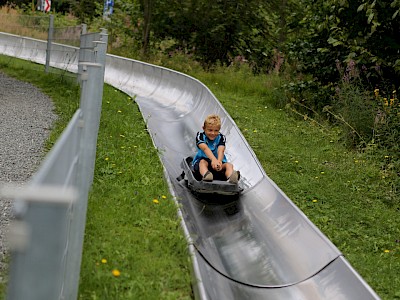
x=211, y=131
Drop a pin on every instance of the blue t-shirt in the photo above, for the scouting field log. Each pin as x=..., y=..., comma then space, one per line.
x=213, y=145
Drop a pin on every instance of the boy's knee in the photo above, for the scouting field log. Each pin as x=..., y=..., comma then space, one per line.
x=203, y=162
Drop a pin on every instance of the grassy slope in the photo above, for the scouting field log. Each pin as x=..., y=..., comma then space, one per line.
x=342, y=192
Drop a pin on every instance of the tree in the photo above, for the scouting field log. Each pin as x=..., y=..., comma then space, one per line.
x=85, y=10
x=345, y=30
x=219, y=30
x=147, y=19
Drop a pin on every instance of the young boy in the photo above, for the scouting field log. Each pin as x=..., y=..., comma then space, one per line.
x=211, y=154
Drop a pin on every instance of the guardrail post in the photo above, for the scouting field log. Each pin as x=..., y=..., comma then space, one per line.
x=84, y=28
x=49, y=42
x=101, y=53
x=92, y=79
x=38, y=240
x=91, y=97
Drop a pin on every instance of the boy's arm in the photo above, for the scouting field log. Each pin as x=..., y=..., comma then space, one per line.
x=207, y=151
x=210, y=155
x=221, y=152
x=221, y=148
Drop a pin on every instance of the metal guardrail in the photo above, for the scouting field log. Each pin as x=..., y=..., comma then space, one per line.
x=50, y=213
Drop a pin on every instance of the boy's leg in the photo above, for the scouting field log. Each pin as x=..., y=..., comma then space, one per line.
x=232, y=175
x=234, y=178
x=228, y=169
x=204, y=172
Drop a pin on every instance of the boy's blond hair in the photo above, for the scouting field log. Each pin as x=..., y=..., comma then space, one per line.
x=213, y=120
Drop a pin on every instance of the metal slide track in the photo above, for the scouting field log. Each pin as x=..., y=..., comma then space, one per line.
x=260, y=247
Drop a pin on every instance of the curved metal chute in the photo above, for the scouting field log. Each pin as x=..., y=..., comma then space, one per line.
x=260, y=247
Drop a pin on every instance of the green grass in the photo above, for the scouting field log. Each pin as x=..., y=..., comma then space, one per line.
x=131, y=221
x=343, y=192
x=141, y=239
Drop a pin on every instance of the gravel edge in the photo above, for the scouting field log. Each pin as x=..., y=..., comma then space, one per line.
x=26, y=119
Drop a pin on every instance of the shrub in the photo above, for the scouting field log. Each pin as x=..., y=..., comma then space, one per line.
x=353, y=106
x=387, y=135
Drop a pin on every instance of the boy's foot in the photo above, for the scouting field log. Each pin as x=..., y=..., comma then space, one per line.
x=208, y=176
x=234, y=178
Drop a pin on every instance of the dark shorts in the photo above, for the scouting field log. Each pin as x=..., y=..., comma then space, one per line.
x=217, y=175
x=196, y=167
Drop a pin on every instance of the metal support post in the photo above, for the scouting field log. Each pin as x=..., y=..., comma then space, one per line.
x=39, y=238
x=92, y=78
x=49, y=42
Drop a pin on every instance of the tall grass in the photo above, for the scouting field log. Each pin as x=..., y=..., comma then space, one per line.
x=12, y=21
x=366, y=118
x=66, y=29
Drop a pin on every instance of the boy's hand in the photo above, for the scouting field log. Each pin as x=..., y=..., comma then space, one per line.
x=216, y=164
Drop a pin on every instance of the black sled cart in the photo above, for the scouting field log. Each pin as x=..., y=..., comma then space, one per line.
x=207, y=189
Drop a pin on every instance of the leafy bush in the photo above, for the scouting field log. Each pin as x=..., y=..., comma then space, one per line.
x=353, y=106
x=310, y=93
